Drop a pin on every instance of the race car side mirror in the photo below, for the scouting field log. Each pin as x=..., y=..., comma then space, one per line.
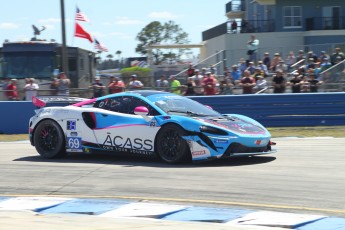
x=142, y=111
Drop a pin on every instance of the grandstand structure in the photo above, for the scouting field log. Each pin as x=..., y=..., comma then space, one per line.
x=280, y=25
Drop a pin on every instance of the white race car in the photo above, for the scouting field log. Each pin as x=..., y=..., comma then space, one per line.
x=146, y=123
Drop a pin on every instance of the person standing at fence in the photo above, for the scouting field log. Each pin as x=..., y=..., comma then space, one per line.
x=236, y=75
x=267, y=60
x=247, y=83
x=209, y=83
x=54, y=86
x=279, y=82
x=175, y=85
x=162, y=83
x=12, y=93
x=190, y=71
x=290, y=60
x=116, y=86
x=5, y=83
x=31, y=89
x=337, y=55
x=197, y=78
x=63, y=84
x=253, y=46
x=97, y=87
x=313, y=82
x=134, y=83
x=189, y=87
x=295, y=83
x=275, y=61
x=234, y=27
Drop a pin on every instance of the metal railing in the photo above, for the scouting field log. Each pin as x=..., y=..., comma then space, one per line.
x=325, y=23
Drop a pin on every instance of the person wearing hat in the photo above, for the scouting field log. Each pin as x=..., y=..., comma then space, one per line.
x=290, y=60
x=282, y=66
x=295, y=83
x=97, y=87
x=11, y=91
x=260, y=82
x=278, y=82
x=325, y=64
x=263, y=68
x=275, y=62
x=267, y=60
x=235, y=74
x=197, y=79
x=251, y=67
x=30, y=89
x=337, y=56
x=313, y=82
x=242, y=65
x=134, y=83
x=300, y=56
x=175, y=85
x=190, y=71
x=323, y=55
x=209, y=83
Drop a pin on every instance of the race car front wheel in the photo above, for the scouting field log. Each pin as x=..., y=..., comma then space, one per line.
x=170, y=146
x=49, y=140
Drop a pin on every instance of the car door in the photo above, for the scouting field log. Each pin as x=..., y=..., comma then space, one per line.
x=118, y=129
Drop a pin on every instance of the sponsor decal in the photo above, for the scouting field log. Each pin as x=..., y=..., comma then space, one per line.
x=220, y=141
x=128, y=145
x=74, y=144
x=87, y=150
x=198, y=153
x=74, y=134
x=153, y=123
x=71, y=125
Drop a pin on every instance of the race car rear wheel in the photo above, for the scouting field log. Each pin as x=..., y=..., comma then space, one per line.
x=170, y=146
x=49, y=140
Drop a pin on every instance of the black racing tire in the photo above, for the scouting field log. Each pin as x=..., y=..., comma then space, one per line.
x=49, y=140
x=170, y=146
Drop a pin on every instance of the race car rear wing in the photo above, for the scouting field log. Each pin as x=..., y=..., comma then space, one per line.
x=44, y=100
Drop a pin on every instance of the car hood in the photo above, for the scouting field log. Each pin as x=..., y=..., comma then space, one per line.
x=234, y=124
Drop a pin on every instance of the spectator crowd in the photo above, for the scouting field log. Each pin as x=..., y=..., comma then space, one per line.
x=300, y=73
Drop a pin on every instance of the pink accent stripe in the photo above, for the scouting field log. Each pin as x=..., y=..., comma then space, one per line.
x=120, y=126
x=84, y=102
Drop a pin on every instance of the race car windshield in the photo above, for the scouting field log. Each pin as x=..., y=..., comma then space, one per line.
x=185, y=106
x=187, y=112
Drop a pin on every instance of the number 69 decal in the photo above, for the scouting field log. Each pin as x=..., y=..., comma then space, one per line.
x=74, y=142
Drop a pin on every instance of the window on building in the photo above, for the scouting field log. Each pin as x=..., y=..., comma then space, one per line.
x=292, y=16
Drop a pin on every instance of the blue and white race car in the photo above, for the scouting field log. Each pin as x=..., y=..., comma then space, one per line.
x=146, y=123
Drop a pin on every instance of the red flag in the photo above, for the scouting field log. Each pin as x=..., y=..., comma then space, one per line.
x=81, y=33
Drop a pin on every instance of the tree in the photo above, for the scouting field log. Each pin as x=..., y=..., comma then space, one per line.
x=118, y=53
x=167, y=33
x=110, y=56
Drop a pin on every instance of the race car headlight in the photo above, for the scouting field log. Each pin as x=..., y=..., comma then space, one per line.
x=212, y=130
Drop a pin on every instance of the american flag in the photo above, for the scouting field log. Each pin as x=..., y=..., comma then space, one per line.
x=100, y=46
x=79, y=16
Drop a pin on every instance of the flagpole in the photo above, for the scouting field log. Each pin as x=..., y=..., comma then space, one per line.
x=63, y=32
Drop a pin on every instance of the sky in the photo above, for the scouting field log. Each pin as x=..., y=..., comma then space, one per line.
x=113, y=23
